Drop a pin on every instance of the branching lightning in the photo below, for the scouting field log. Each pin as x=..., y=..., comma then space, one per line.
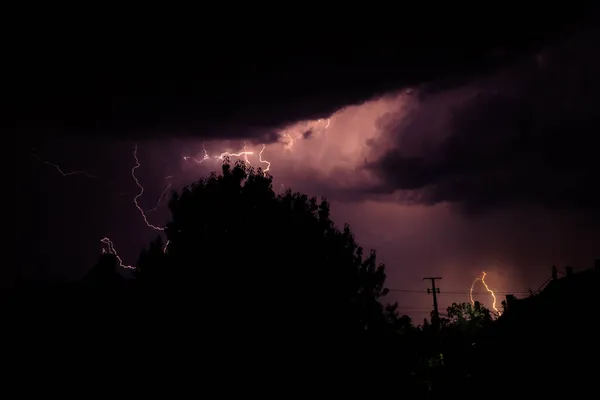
x=227, y=154
x=110, y=248
x=264, y=161
x=108, y=245
x=490, y=291
x=289, y=139
x=206, y=156
x=198, y=161
x=141, y=192
x=60, y=170
x=223, y=156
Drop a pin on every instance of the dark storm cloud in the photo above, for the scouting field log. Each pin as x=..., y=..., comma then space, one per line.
x=525, y=134
x=243, y=81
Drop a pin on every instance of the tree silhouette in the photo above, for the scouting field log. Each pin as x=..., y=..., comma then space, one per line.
x=242, y=258
x=466, y=316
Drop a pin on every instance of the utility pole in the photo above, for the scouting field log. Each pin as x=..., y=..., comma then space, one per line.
x=436, y=314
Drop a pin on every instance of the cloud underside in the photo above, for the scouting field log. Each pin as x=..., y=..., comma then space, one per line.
x=521, y=133
x=525, y=134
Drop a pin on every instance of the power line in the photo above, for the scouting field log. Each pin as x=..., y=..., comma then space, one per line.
x=543, y=285
x=419, y=310
x=406, y=307
x=528, y=292
x=450, y=292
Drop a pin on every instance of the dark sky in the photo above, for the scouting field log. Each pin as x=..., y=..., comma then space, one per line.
x=453, y=143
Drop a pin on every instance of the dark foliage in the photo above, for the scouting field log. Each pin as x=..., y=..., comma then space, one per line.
x=276, y=261
x=257, y=292
x=249, y=279
x=267, y=275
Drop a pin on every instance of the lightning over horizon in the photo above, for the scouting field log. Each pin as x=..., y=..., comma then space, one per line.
x=488, y=290
x=60, y=170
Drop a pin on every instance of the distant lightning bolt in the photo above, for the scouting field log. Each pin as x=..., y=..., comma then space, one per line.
x=471, y=290
x=264, y=161
x=221, y=156
x=110, y=249
x=226, y=154
x=490, y=291
x=141, y=192
x=288, y=142
x=197, y=161
x=320, y=120
x=242, y=154
x=291, y=139
x=60, y=170
x=160, y=198
x=246, y=155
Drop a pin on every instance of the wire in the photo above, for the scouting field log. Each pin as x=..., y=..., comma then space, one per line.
x=453, y=292
x=406, y=307
x=542, y=285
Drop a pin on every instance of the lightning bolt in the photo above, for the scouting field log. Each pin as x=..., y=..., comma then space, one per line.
x=161, y=197
x=198, y=161
x=60, y=170
x=141, y=192
x=264, y=161
x=471, y=290
x=290, y=139
x=487, y=288
x=242, y=154
x=221, y=156
x=110, y=248
x=227, y=154
x=246, y=154
x=108, y=245
x=288, y=142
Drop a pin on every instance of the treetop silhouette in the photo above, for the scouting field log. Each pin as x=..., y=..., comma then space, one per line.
x=236, y=245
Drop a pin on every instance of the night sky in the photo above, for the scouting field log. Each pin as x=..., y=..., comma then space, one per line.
x=451, y=147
